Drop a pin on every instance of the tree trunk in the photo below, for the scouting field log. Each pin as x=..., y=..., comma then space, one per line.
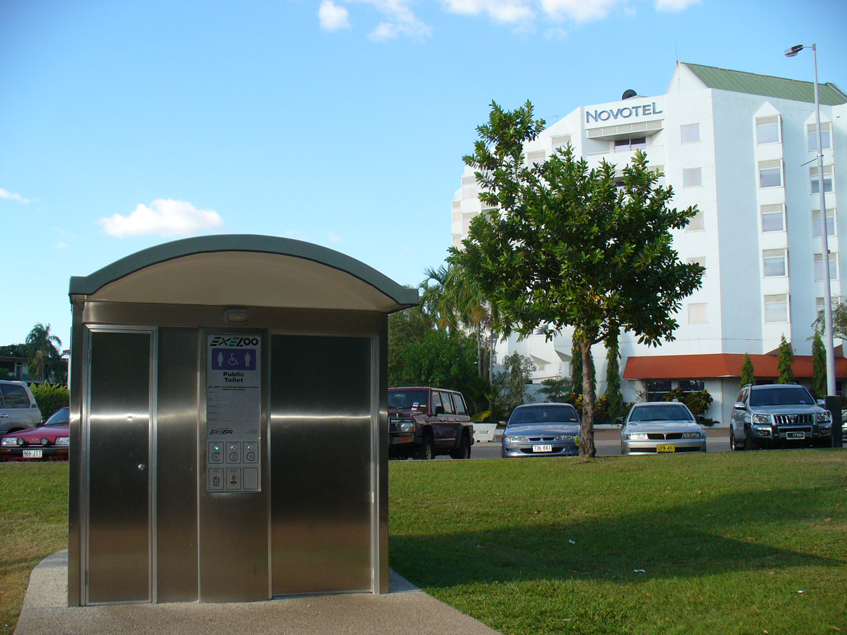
x=586, y=430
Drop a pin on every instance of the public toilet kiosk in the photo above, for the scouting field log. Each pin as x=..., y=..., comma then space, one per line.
x=229, y=423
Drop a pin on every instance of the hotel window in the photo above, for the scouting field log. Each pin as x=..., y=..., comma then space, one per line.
x=826, y=136
x=774, y=263
x=692, y=177
x=561, y=141
x=770, y=173
x=773, y=218
x=625, y=145
x=696, y=223
x=767, y=129
x=469, y=187
x=776, y=308
x=689, y=133
x=816, y=182
x=698, y=313
x=830, y=222
x=833, y=266
x=700, y=260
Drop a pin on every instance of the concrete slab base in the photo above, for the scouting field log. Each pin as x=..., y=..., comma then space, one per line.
x=405, y=610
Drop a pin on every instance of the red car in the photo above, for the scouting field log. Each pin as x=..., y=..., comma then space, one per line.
x=49, y=442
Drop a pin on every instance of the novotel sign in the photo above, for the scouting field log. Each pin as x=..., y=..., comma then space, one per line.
x=626, y=112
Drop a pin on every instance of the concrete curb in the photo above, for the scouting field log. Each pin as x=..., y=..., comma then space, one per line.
x=406, y=609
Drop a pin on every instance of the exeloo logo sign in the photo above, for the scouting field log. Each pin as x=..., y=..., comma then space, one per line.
x=622, y=113
x=235, y=341
x=220, y=431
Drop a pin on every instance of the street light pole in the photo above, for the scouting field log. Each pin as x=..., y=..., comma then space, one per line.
x=827, y=287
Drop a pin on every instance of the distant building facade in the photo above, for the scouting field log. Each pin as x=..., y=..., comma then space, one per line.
x=742, y=148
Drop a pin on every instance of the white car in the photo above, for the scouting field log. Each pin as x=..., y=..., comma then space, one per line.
x=659, y=427
x=18, y=410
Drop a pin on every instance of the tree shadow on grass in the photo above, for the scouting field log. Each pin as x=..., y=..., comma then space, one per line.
x=722, y=534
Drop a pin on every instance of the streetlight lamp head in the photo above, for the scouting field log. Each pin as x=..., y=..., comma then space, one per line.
x=794, y=50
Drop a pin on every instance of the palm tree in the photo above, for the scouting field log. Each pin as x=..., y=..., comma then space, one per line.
x=454, y=302
x=43, y=350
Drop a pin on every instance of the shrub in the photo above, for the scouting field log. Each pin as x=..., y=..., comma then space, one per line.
x=698, y=402
x=50, y=397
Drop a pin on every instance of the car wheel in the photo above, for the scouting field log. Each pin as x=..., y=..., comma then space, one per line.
x=426, y=451
x=464, y=450
x=733, y=444
x=749, y=444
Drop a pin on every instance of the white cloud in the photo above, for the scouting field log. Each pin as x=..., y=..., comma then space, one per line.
x=61, y=245
x=398, y=19
x=163, y=218
x=578, y=10
x=509, y=11
x=674, y=5
x=333, y=17
x=334, y=238
x=555, y=34
x=13, y=197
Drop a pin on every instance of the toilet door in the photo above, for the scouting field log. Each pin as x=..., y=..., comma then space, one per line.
x=118, y=436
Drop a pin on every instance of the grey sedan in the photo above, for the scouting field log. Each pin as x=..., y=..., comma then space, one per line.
x=548, y=429
x=661, y=427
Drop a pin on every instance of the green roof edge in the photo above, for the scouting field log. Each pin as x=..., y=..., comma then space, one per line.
x=86, y=285
x=829, y=94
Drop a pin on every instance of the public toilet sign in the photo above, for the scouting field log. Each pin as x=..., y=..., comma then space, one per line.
x=624, y=113
x=233, y=413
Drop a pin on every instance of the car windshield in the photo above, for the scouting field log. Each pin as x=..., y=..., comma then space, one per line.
x=543, y=414
x=780, y=396
x=408, y=399
x=59, y=418
x=660, y=413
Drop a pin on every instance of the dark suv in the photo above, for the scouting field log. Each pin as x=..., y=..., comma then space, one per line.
x=425, y=422
x=775, y=415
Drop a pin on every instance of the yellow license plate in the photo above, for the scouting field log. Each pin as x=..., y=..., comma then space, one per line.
x=665, y=448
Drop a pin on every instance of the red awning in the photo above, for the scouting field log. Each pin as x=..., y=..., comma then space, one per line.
x=717, y=365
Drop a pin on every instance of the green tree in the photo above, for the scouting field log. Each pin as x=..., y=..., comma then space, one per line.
x=576, y=368
x=556, y=389
x=445, y=359
x=50, y=397
x=43, y=352
x=839, y=320
x=747, y=372
x=567, y=246
x=819, y=367
x=785, y=362
x=613, y=379
x=455, y=302
x=509, y=388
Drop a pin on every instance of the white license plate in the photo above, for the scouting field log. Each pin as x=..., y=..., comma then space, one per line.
x=32, y=454
x=542, y=448
x=795, y=435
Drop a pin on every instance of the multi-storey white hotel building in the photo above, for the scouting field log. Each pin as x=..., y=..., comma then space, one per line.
x=742, y=148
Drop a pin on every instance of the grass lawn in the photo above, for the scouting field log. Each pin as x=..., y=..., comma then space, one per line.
x=33, y=524
x=705, y=544
x=751, y=542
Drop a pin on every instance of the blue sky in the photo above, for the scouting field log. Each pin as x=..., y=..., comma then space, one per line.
x=339, y=122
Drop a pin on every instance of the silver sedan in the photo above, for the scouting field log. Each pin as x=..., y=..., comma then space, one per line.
x=545, y=429
x=661, y=427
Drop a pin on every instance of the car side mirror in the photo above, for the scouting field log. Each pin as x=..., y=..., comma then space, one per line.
x=821, y=403
x=439, y=410
x=739, y=405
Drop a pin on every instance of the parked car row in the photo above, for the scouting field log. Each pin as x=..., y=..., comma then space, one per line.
x=24, y=438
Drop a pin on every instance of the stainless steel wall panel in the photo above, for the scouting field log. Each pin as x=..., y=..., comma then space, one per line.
x=234, y=564
x=380, y=465
x=321, y=478
x=119, y=428
x=177, y=465
x=75, y=473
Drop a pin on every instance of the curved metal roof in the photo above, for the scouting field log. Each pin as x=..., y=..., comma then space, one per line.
x=246, y=269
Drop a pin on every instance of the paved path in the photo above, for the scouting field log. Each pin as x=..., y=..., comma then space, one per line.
x=405, y=610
